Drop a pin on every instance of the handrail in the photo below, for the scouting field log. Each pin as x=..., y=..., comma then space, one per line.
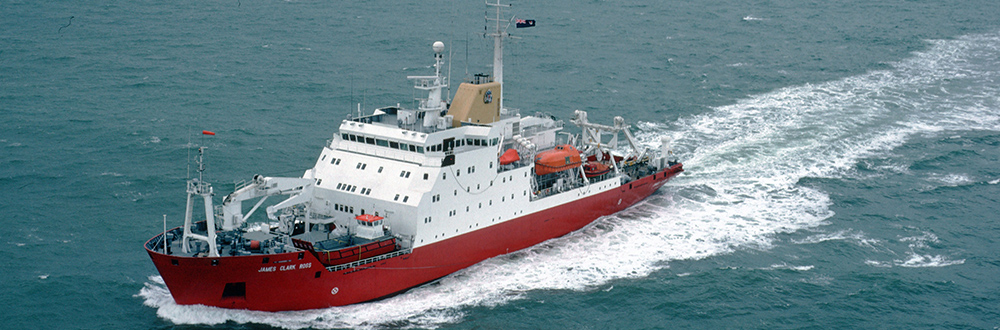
x=369, y=260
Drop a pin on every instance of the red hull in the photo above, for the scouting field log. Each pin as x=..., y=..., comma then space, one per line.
x=298, y=280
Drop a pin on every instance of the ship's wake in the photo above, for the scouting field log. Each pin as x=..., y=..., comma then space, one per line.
x=743, y=164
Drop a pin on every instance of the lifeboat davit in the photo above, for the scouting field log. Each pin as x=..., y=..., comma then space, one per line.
x=562, y=158
x=592, y=169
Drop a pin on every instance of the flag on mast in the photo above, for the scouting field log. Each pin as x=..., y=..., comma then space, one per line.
x=525, y=23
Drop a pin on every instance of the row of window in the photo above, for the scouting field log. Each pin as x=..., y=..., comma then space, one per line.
x=470, y=170
x=452, y=213
x=405, y=198
x=353, y=188
x=346, y=187
x=415, y=148
x=382, y=143
x=368, y=191
x=436, y=198
x=343, y=208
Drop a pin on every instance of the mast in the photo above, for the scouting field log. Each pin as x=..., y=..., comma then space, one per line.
x=498, y=34
x=433, y=105
x=203, y=189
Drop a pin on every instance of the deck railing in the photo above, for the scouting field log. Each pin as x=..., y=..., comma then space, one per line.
x=369, y=260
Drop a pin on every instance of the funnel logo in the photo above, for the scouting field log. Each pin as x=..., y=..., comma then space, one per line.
x=488, y=97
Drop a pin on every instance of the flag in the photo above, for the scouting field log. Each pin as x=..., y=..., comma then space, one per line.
x=207, y=133
x=524, y=23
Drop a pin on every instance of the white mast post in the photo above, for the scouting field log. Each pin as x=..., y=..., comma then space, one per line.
x=498, y=36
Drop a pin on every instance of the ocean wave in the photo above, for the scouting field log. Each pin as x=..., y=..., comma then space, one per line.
x=951, y=179
x=918, y=260
x=423, y=307
x=847, y=235
x=790, y=267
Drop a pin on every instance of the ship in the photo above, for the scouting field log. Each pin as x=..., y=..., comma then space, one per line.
x=404, y=196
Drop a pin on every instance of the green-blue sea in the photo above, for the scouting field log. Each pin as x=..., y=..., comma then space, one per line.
x=842, y=157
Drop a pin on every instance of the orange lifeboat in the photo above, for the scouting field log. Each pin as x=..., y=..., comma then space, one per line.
x=592, y=169
x=509, y=156
x=562, y=158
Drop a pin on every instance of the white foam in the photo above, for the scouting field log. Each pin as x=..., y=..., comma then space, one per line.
x=877, y=263
x=790, y=267
x=951, y=179
x=421, y=307
x=918, y=242
x=848, y=235
x=918, y=260
x=743, y=162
